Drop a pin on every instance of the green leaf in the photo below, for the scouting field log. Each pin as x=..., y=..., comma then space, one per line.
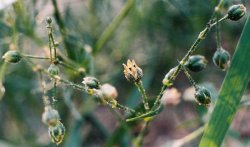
x=232, y=89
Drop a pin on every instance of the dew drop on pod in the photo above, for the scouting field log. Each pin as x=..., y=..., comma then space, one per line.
x=196, y=63
x=235, y=12
x=53, y=70
x=202, y=95
x=12, y=56
x=50, y=116
x=57, y=133
x=221, y=58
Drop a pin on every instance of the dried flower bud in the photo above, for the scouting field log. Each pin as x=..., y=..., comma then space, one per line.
x=49, y=20
x=91, y=83
x=109, y=91
x=202, y=95
x=50, y=116
x=196, y=63
x=57, y=133
x=12, y=56
x=221, y=58
x=167, y=79
x=235, y=12
x=132, y=72
x=53, y=70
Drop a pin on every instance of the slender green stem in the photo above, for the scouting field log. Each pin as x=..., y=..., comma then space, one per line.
x=113, y=25
x=35, y=57
x=143, y=93
x=71, y=84
x=181, y=142
x=201, y=36
x=139, y=139
x=54, y=97
x=43, y=85
x=189, y=76
x=126, y=109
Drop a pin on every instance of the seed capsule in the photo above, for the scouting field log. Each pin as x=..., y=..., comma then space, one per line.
x=235, y=12
x=196, y=63
x=12, y=56
x=57, y=133
x=49, y=20
x=132, y=72
x=53, y=69
x=50, y=116
x=167, y=79
x=91, y=83
x=202, y=95
x=221, y=58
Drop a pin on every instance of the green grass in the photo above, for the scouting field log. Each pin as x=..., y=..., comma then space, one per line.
x=232, y=89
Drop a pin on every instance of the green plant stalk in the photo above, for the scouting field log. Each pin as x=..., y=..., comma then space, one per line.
x=59, y=20
x=113, y=26
x=202, y=35
x=232, y=89
x=71, y=84
x=143, y=93
x=138, y=141
x=181, y=142
x=35, y=57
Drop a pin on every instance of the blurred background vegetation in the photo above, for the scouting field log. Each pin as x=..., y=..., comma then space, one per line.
x=155, y=33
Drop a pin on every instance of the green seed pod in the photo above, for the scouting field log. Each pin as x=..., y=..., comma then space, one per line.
x=91, y=83
x=196, y=63
x=49, y=20
x=50, y=116
x=167, y=79
x=221, y=58
x=57, y=133
x=53, y=70
x=235, y=12
x=12, y=56
x=202, y=95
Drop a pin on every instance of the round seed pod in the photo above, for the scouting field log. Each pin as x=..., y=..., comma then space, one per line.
x=202, y=95
x=235, y=12
x=196, y=63
x=50, y=116
x=12, y=56
x=53, y=69
x=109, y=91
x=49, y=20
x=221, y=58
x=57, y=133
x=167, y=79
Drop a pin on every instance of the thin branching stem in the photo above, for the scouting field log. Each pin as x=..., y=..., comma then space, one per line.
x=201, y=36
x=113, y=25
x=139, y=139
x=143, y=93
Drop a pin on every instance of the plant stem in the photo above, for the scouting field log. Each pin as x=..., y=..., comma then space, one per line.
x=139, y=139
x=113, y=26
x=181, y=142
x=143, y=93
x=35, y=57
x=201, y=36
x=69, y=83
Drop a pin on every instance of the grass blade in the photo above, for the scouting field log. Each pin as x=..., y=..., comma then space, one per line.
x=232, y=89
